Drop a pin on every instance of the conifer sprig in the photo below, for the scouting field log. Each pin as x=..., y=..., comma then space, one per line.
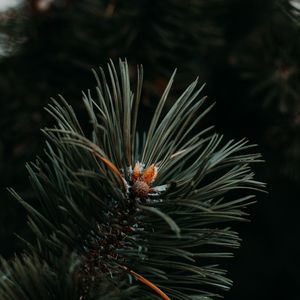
x=148, y=209
x=30, y=278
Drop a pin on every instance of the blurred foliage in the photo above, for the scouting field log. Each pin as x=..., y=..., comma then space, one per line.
x=267, y=60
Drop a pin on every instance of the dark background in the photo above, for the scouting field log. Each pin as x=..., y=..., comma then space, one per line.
x=246, y=51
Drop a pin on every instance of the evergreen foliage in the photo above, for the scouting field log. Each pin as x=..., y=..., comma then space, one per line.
x=246, y=51
x=143, y=210
x=31, y=278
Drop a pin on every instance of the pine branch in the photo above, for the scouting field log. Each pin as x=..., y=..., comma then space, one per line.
x=144, y=211
x=31, y=278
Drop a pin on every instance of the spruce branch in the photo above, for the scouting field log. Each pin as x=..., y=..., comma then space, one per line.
x=139, y=210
